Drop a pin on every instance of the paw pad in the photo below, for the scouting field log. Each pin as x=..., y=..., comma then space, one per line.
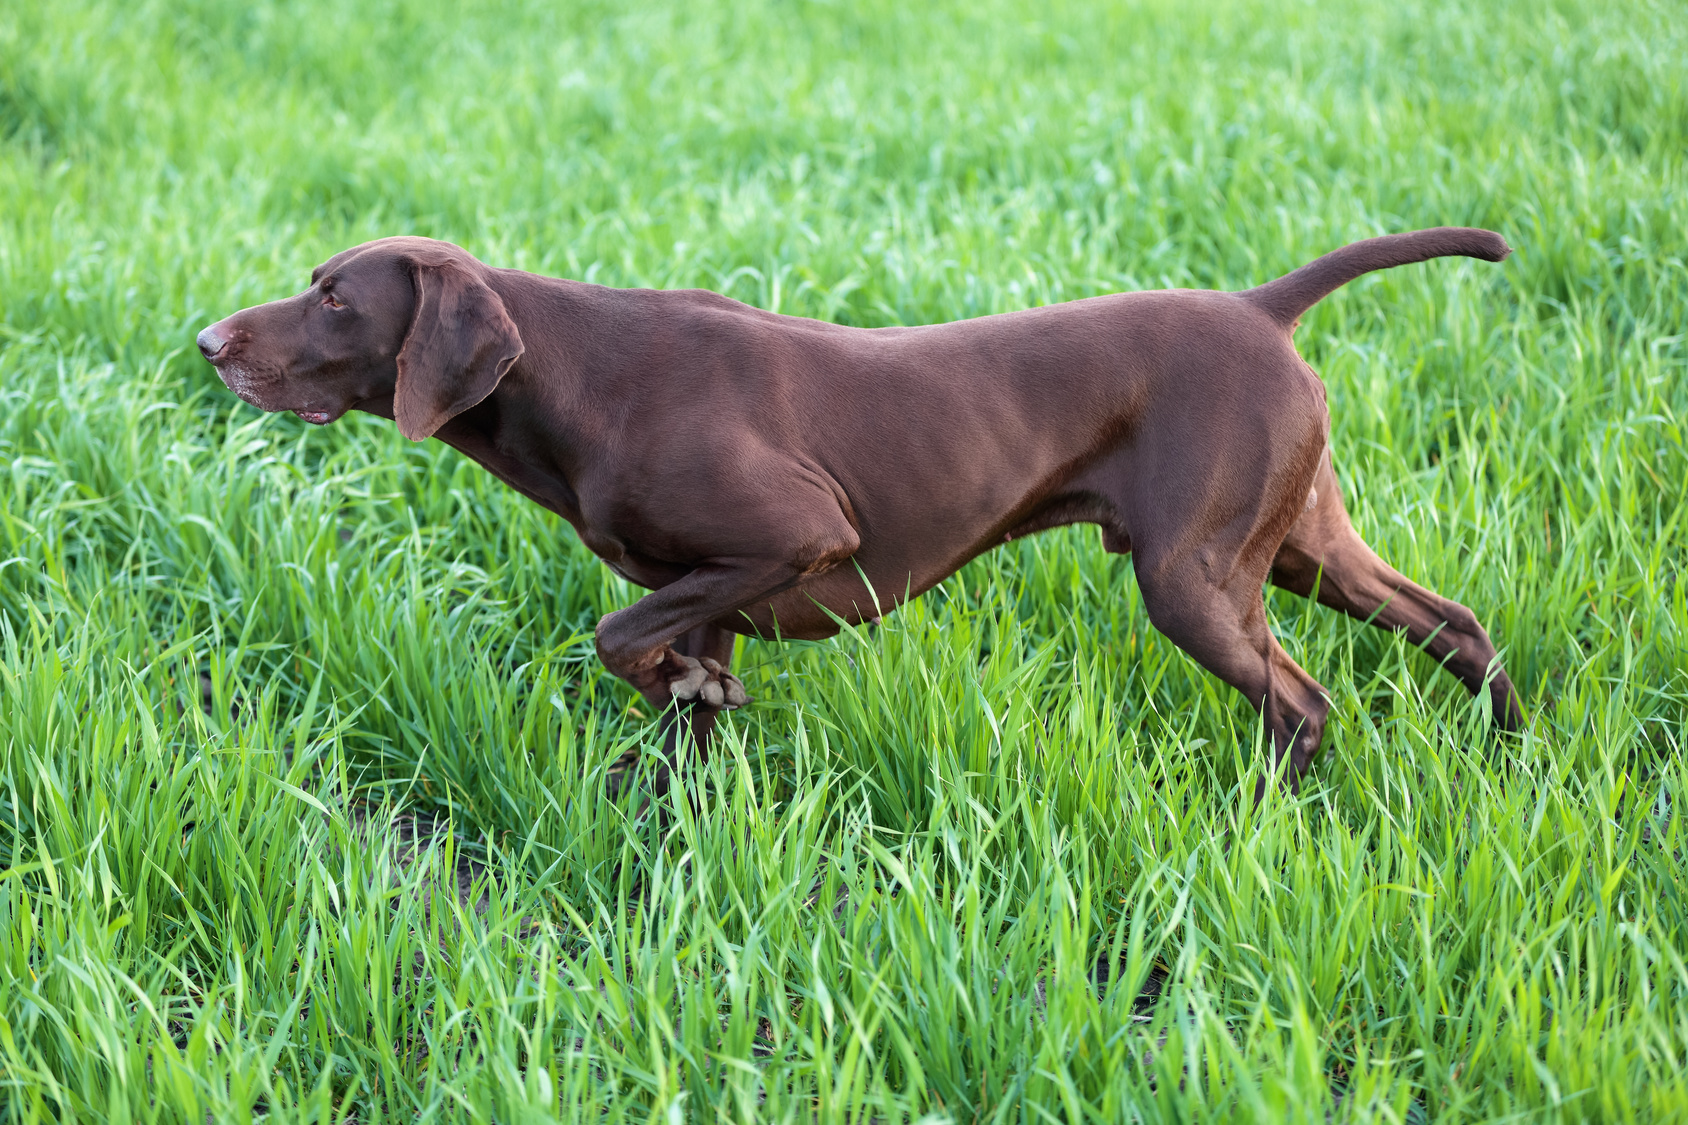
x=709, y=685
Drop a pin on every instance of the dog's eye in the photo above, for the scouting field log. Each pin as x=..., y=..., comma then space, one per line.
x=333, y=302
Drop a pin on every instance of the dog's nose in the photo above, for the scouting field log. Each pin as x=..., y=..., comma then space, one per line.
x=211, y=344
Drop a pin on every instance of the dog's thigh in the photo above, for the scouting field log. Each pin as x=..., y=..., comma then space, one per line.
x=1205, y=514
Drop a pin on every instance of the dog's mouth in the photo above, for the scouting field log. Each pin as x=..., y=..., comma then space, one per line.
x=241, y=381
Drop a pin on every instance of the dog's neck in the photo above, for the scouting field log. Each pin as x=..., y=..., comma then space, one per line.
x=539, y=427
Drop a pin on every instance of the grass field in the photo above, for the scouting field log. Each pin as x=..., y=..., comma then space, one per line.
x=302, y=737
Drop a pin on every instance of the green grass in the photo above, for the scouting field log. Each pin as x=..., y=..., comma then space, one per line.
x=302, y=739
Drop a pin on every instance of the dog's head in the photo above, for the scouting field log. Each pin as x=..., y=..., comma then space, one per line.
x=408, y=321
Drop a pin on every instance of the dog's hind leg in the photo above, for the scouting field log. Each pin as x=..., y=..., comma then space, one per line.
x=1223, y=626
x=1205, y=495
x=1323, y=551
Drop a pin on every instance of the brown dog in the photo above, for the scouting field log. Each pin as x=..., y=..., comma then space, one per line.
x=752, y=469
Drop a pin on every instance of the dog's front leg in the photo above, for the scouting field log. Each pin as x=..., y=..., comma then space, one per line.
x=667, y=644
x=687, y=730
x=638, y=643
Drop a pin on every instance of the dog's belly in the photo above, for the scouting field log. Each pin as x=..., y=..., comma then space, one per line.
x=876, y=581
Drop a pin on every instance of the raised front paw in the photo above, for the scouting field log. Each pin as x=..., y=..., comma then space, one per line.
x=707, y=683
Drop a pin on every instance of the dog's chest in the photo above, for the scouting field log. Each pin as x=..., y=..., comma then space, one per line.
x=547, y=487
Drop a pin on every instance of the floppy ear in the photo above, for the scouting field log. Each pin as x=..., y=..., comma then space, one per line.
x=459, y=346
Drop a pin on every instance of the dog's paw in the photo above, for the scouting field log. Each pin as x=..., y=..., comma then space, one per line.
x=708, y=684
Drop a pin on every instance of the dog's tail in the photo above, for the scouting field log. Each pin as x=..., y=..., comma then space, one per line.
x=1285, y=299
